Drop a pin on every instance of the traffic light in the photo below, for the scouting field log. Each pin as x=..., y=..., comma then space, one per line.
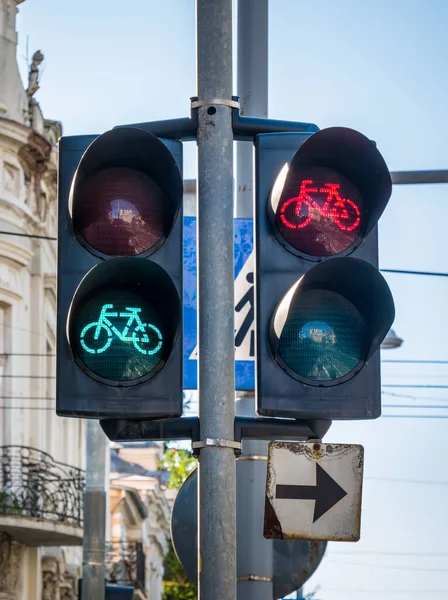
x=322, y=307
x=119, y=313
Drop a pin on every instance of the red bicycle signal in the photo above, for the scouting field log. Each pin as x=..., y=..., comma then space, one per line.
x=342, y=211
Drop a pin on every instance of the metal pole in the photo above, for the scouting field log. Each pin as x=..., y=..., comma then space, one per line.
x=217, y=496
x=255, y=554
x=93, y=571
x=252, y=88
x=417, y=177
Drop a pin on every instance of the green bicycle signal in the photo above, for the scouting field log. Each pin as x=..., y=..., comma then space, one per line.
x=139, y=335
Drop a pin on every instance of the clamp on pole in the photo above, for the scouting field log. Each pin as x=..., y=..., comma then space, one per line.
x=216, y=443
x=195, y=103
x=253, y=457
x=254, y=578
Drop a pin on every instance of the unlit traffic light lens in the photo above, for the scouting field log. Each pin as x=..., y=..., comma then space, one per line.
x=323, y=338
x=319, y=212
x=120, y=212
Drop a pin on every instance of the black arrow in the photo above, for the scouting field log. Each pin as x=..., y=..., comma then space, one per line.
x=326, y=492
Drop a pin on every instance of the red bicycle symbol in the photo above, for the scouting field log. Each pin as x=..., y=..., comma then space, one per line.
x=342, y=211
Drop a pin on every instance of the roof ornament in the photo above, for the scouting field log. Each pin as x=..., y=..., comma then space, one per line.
x=33, y=77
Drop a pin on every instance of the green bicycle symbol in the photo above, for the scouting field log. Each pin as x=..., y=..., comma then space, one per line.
x=139, y=336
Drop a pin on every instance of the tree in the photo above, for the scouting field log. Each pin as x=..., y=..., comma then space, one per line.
x=176, y=583
x=180, y=463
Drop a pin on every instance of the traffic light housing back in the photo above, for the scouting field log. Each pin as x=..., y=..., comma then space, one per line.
x=119, y=329
x=322, y=307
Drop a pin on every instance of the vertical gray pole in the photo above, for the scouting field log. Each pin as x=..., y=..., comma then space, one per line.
x=255, y=554
x=252, y=88
x=217, y=496
x=93, y=571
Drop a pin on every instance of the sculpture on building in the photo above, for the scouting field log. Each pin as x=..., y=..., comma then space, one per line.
x=58, y=580
x=33, y=77
x=10, y=557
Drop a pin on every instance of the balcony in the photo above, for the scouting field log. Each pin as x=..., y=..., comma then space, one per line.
x=125, y=565
x=41, y=500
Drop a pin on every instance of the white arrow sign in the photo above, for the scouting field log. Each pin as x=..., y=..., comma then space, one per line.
x=244, y=313
x=313, y=491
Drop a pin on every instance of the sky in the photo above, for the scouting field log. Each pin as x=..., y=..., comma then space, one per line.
x=379, y=67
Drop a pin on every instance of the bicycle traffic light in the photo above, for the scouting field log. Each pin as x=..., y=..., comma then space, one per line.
x=119, y=316
x=322, y=307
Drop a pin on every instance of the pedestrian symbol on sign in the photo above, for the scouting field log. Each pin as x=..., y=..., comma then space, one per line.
x=247, y=326
x=244, y=313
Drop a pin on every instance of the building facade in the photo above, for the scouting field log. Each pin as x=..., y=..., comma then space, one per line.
x=42, y=456
x=140, y=507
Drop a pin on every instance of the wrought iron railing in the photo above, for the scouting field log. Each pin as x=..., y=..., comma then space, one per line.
x=32, y=484
x=125, y=564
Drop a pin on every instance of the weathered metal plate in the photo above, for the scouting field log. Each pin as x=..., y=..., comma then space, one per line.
x=313, y=491
x=294, y=560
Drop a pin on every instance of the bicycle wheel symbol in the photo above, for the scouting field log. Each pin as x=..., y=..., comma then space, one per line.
x=142, y=341
x=102, y=338
x=302, y=213
x=346, y=215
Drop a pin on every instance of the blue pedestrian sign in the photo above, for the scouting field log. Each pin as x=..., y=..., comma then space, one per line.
x=244, y=305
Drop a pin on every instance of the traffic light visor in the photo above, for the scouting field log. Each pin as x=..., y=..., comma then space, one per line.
x=330, y=195
x=126, y=194
x=331, y=321
x=124, y=321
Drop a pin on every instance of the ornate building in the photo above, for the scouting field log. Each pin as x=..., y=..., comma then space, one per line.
x=42, y=456
x=140, y=507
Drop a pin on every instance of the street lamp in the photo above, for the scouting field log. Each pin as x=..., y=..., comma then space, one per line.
x=391, y=341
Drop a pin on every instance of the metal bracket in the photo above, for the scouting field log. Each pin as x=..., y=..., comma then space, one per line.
x=216, y=443
x=188, y=428
x=195, y=103
x=244, y=128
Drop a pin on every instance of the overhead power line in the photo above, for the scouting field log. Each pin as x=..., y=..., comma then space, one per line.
x=414, y=416
x=406, y=272
x=29, y=235
x=387, y=553
x=423, y=593
x=27, y=398
x=399, y=271
x=416, y=481
x=412, y=397
x=431, y=406
x=388, y=567
x=28, y=407
x=415, y=361
x=5, y=355
x=28, y=376
x=415, y=385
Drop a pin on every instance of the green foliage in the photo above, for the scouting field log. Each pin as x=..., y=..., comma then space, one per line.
x=176, y=584
x=180, y=463
x=10, y=504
